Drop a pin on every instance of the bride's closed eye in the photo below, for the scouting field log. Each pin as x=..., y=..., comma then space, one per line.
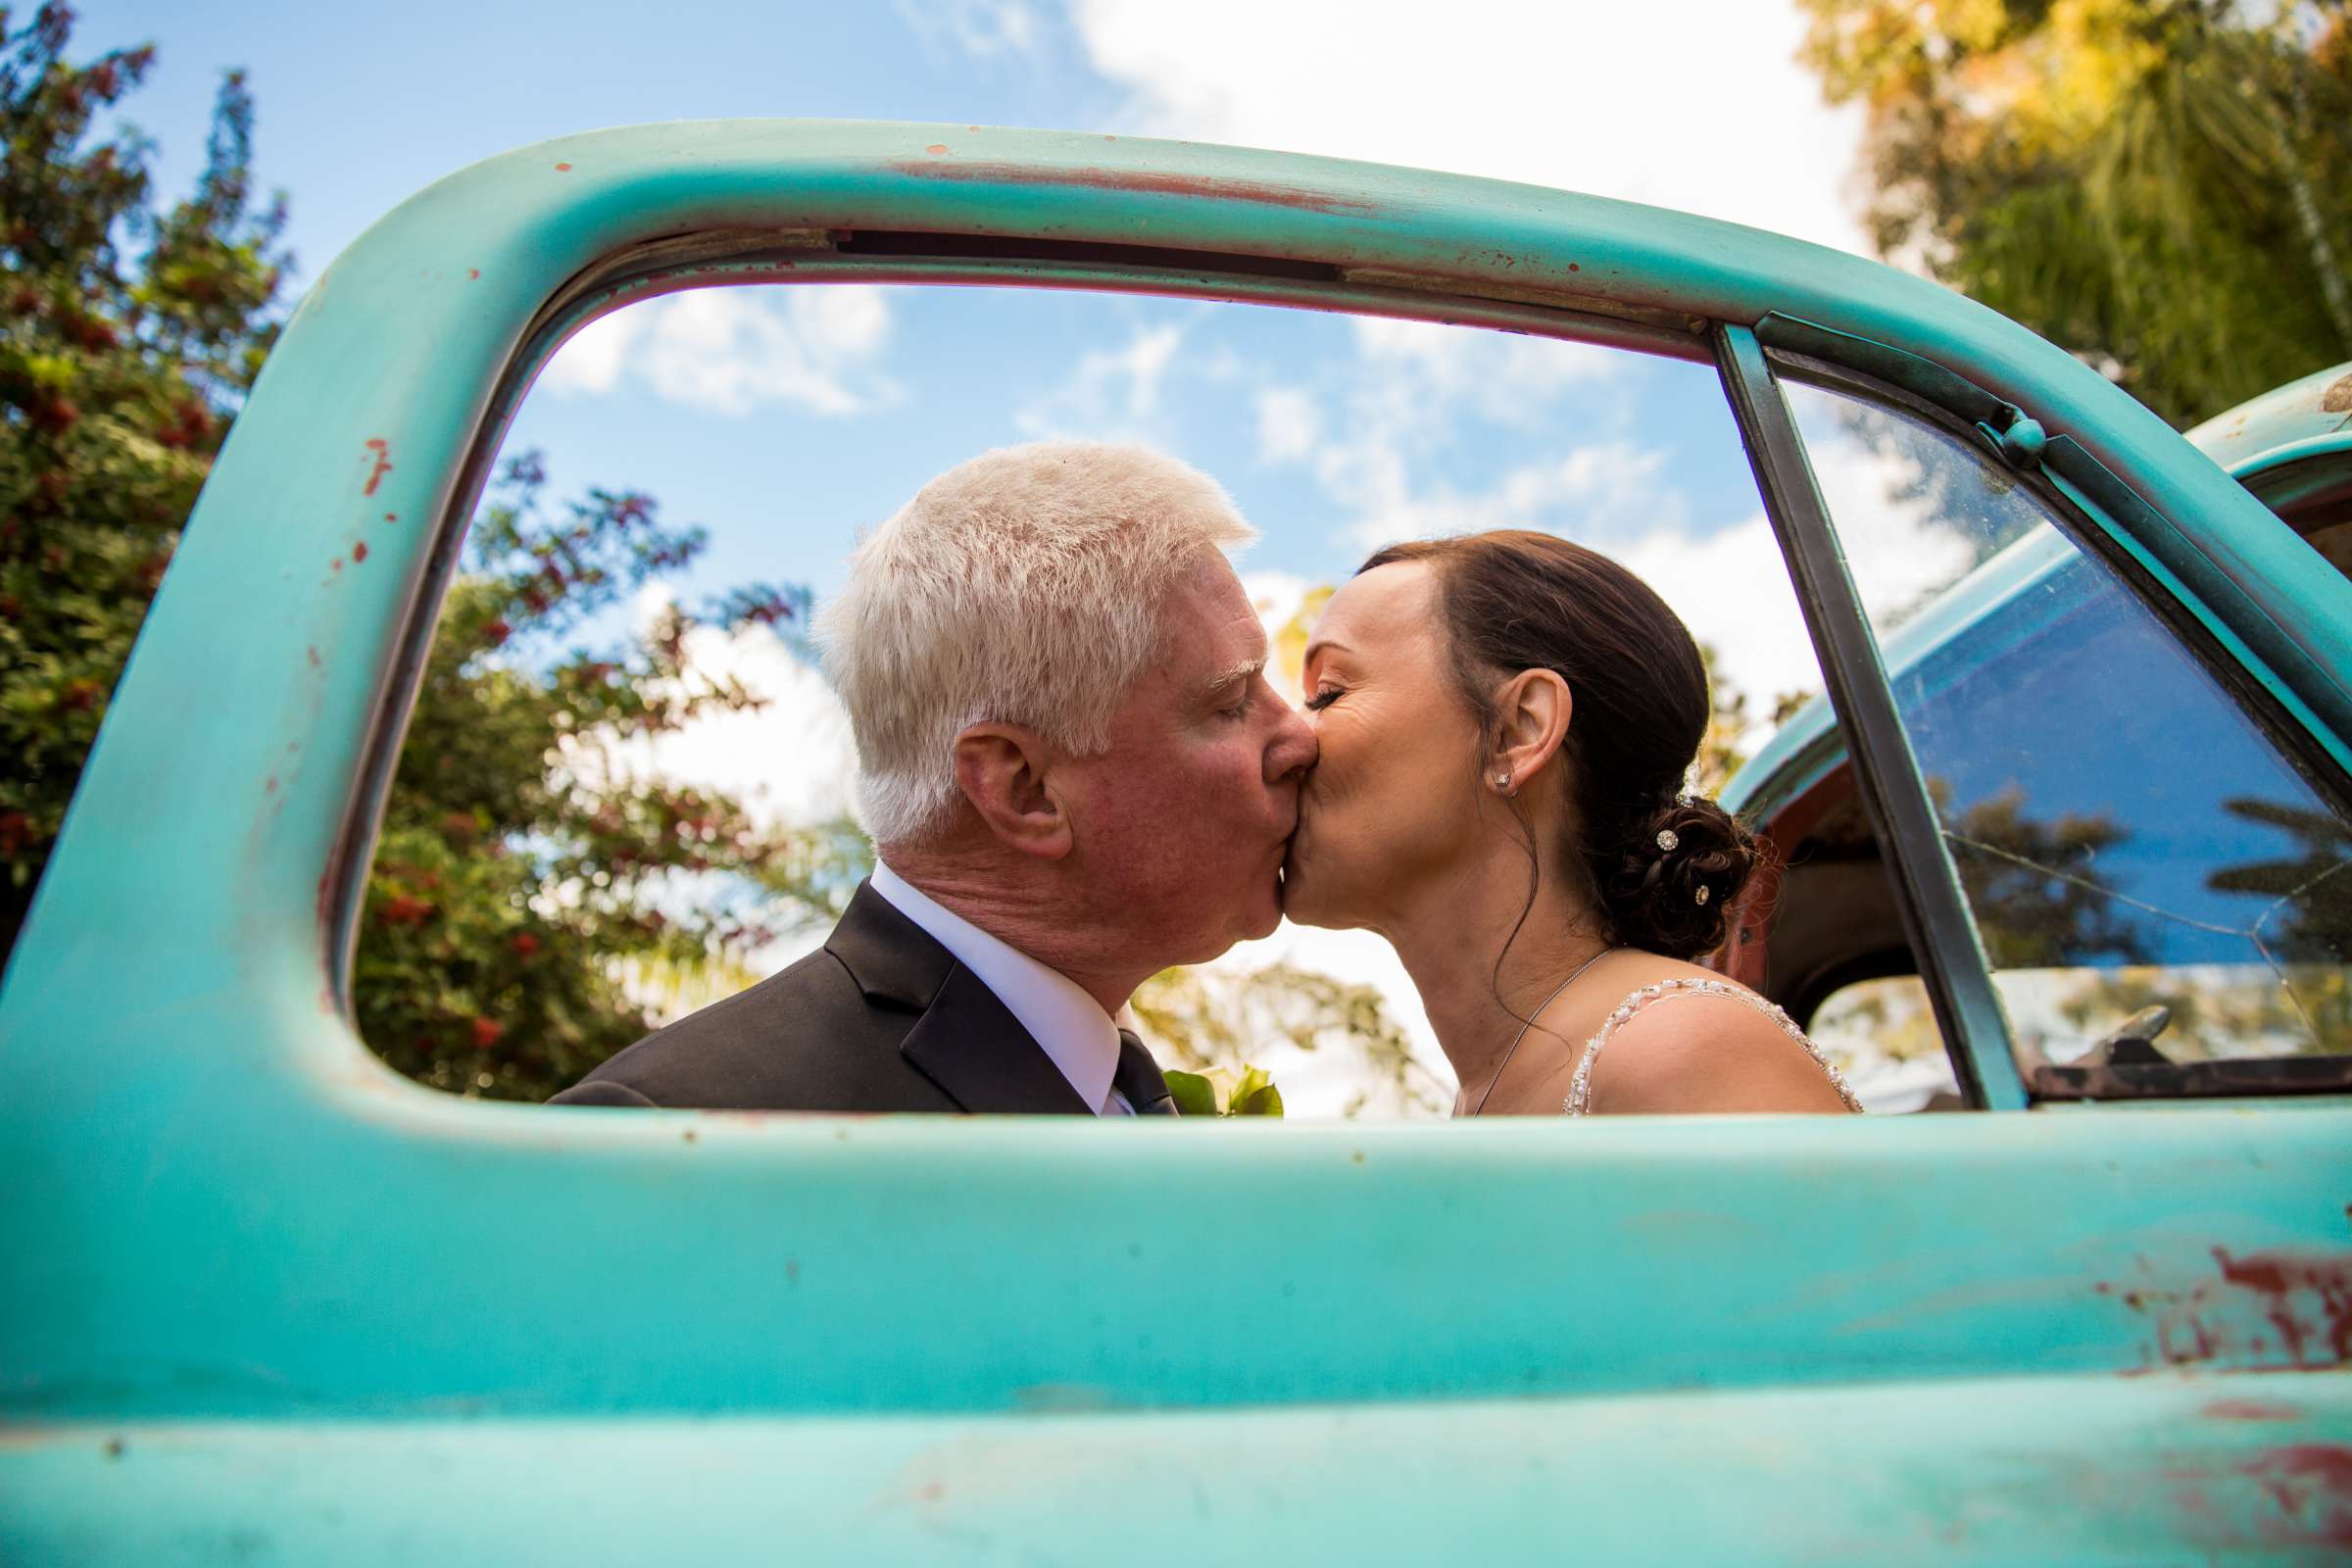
x=1325, y=698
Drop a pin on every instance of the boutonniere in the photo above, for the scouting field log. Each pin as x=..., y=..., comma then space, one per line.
x=1218, y=1092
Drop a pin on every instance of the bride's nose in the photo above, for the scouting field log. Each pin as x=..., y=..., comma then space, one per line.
x=1292, y=750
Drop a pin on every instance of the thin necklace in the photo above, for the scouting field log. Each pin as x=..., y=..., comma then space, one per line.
x=1512, y=1049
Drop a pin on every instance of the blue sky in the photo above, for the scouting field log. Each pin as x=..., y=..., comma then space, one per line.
x=786, y=418
x=784, y=426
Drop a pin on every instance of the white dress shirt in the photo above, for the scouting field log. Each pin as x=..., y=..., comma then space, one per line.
x=1076, y=1034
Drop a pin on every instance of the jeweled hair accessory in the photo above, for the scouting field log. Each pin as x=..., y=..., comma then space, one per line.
x=1703, y=894
x=1669, y=839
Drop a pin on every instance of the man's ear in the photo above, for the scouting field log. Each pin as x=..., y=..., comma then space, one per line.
x=1003, y=770
x=1531, y=719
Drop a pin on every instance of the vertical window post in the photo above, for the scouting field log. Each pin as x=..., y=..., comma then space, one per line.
x=1935, y=916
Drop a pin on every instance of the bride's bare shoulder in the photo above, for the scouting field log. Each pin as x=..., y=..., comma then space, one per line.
x=1685, y=1039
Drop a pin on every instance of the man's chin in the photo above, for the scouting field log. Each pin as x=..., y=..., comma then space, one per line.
x=1297, y=895
x=1264, y=920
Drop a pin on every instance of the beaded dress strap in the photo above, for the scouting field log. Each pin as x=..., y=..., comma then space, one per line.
x=1580, y=1088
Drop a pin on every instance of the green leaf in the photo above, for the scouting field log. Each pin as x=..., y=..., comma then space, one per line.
x=1194, y=1095
x=1264, y=1100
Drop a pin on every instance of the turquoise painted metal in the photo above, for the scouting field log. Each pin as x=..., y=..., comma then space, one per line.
x=2287, y=426
x=266, y=1301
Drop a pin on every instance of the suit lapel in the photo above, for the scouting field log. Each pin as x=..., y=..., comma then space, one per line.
x=970, y=1045
x=967, y=1041
x=890, y=957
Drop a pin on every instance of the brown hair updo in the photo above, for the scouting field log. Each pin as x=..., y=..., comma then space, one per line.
x=1514, y=600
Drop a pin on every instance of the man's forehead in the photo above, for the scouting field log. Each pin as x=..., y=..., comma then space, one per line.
x=1210, y=601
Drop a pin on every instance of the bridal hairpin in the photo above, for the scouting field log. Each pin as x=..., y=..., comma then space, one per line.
x=1668, y=839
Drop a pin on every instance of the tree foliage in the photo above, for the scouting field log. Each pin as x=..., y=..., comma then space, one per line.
x=1210, y=1023
x=529, y=895
x=536, y=895
x=1732, y=727
x=127, y=336
x=2040, y=899
x=2163, y=187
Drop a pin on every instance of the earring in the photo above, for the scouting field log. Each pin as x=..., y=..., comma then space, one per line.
x=1502, y=782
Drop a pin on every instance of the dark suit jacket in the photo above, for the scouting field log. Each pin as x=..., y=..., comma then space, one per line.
x=881, y=1018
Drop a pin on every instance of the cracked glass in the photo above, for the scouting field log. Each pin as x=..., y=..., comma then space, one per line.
x=2152, y=879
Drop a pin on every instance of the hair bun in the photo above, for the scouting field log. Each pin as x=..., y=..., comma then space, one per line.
x=1678, y=876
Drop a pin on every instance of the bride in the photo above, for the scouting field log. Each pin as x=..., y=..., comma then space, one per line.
x=1507, y=719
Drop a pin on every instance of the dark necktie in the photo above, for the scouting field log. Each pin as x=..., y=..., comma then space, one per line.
x=1138, y=1078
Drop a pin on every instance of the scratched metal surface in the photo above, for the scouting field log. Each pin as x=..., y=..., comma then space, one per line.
x=296, y=1288
x=2286, y=425
x=2055, y=1470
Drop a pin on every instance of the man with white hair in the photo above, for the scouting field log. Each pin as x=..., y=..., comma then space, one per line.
x=1075, y=775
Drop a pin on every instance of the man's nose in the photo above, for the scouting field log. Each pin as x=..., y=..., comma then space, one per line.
x=1293, y=747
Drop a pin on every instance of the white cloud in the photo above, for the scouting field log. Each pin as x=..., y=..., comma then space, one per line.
x=1112, y=394
x=1290, y=423
x=733, y=349
x=1895, y=542
x=1275, y=595
x=1731, y=589
x=1505, y=376
x=1707, y=111
x=982, y=28
x=1591, y=494
x=1408, y=393
x=791, y=761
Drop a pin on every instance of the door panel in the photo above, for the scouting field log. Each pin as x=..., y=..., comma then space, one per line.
x=226, y=1211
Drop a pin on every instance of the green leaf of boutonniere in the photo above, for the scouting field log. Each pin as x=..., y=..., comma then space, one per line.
x=1219, y=1093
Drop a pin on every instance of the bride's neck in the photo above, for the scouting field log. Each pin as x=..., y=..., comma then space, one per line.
x=1449, y=944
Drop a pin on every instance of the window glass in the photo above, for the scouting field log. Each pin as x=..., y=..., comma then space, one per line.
x=1883, y=1035
x=2149, y=875
x=625, y=793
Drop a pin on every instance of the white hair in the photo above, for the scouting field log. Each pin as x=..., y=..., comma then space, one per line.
x=1022, y=587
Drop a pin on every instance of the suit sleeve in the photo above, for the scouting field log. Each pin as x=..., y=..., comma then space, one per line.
x=603, y=1092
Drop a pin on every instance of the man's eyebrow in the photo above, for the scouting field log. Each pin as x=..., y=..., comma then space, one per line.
x=1224, y=678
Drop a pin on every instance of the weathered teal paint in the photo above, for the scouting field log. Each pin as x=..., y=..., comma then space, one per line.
x=2063, y=1470
x=2286, y=425
x=266, y=1301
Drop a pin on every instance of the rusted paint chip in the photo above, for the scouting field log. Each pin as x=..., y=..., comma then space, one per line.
x=2311, y=1484
x=936, y=148
x=383, y=452
x=1264, y=193
x=2251, y=1410
x=2337, y=399
x=2289, y=1286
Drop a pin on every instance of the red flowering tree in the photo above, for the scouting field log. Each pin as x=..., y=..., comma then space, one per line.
x=127, y=336
x=526, y=893
x=532, y=893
